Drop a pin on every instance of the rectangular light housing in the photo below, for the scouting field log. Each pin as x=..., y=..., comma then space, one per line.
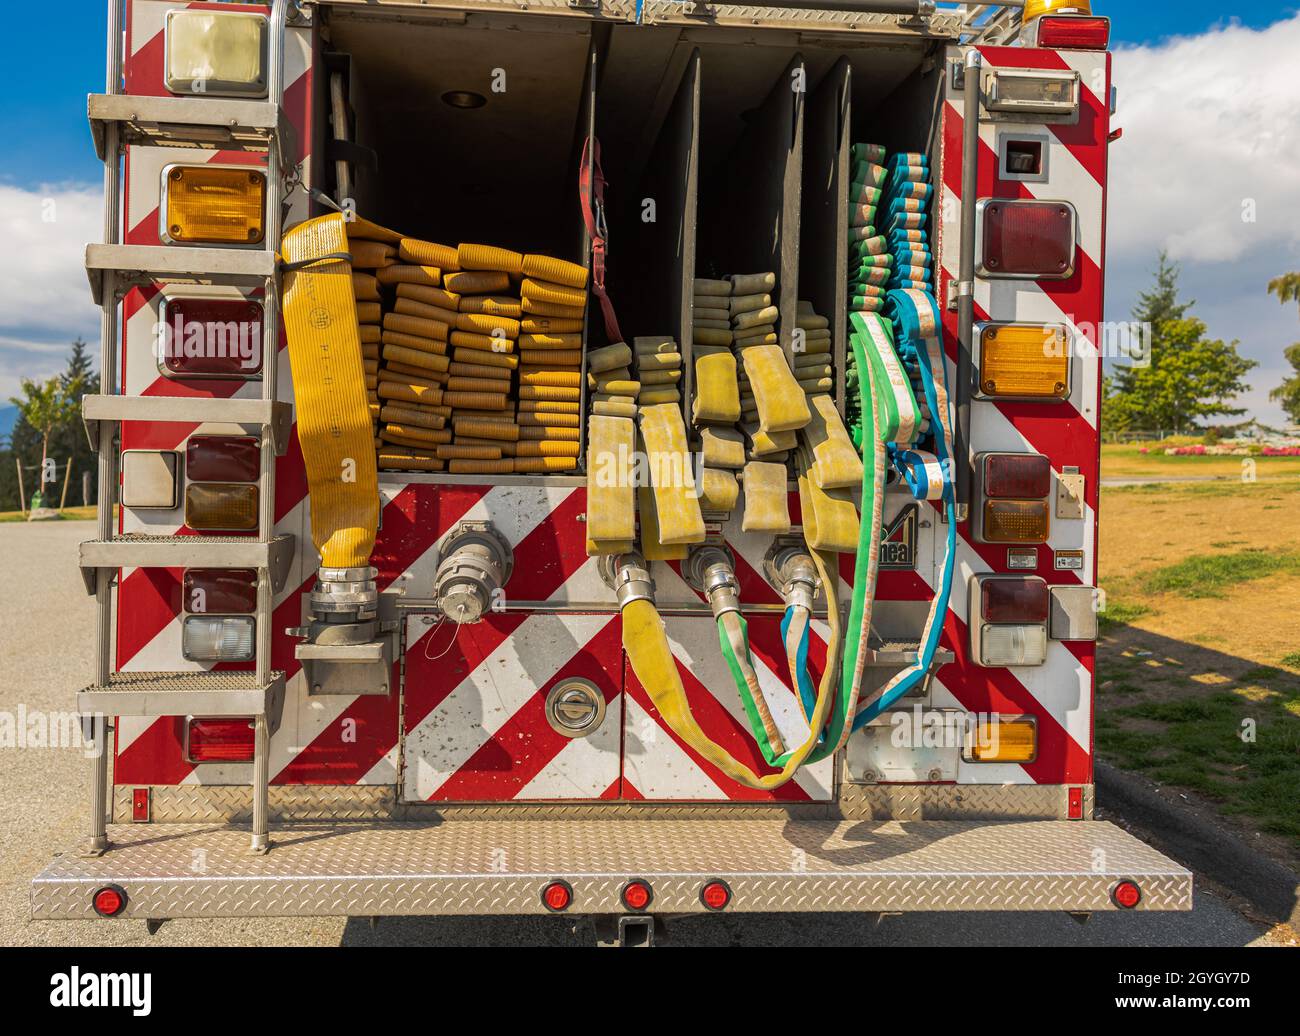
x=223, y=458
x=204, y=337
x=221, y=507
x=1015, y=521
x=1012, y=645
x=149, y=479
x=219, y=590
x=1002, y=739
x=1016, y=476
x=219, y=740
x=217, y=53
x=1026, y=240
x=1031, y=90
x=1024, y=361
x=1073, y=32
x=218, y=638
x=213, y=205
x=1014, y=599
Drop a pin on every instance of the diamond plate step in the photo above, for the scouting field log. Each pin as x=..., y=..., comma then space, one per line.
x=501, y=866
x=183, y=694
x=138, y=551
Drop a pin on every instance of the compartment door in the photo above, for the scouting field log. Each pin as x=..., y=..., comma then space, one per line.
x=475, y=713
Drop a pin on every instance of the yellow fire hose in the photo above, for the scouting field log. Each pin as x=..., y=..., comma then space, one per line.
x=329, y=386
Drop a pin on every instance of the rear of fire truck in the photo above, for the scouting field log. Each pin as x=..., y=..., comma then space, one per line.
x=598, y=457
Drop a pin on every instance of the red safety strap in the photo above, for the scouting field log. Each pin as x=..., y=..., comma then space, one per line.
x=591, y=195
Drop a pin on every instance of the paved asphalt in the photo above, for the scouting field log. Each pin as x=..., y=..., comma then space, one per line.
x=46, y=653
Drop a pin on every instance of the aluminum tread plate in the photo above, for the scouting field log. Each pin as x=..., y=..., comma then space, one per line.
x=499, y=867
x=182, y=694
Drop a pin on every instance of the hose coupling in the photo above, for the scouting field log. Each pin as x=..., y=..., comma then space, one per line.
x=792, y=571
x=474, y=565
x=345, y=595
x=629, y=578
x=711, y=570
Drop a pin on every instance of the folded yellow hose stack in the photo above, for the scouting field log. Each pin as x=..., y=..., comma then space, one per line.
x=473, y=354
x=828, y=467
x=715, y=408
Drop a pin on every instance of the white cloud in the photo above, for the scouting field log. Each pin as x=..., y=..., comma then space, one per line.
x=44, y=296
x=1211, y=133
x=1211, y=128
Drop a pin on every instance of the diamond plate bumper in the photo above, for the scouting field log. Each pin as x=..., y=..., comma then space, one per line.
x=500, y=867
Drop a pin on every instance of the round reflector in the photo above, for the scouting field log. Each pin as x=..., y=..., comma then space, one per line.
x=636, y=895
x=1127, y=895
x=557, y=896
x=716, y=894
x=109, y=901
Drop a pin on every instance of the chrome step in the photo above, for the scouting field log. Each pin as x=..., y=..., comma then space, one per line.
x=185, y=694
x=144, y=263
x=200, y=122
x=138, y=551
x=264, y=413
x=469, y=867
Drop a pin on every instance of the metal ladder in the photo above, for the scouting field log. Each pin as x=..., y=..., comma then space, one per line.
x=113, y=268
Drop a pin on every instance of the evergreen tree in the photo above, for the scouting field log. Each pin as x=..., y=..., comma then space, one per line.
x=1189, y=377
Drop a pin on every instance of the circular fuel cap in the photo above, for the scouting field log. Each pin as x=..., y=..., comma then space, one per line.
x=575, y=707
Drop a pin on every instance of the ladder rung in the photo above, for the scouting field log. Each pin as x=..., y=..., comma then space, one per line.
x=211, y=122
x=184, y=694
x=264, y=413
x=137, y=551
x=250, y=266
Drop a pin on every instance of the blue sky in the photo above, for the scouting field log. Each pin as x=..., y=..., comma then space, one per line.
x=46, y=110
x=49, y=156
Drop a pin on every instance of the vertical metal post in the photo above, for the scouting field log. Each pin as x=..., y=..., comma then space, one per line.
x=260, y=841
x=100, y=758
x=974, y=66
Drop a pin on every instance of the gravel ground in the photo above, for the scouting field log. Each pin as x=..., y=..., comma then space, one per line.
x=46, y=653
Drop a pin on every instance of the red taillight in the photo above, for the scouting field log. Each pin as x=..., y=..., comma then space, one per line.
x=636, y=895
x=1014, y=600
x=715, y=895
x=223, y=458
x=1126, y=895
x=1032, y=239
x=1074, y=804
x=140, y=805
x=109, y=901
x=219, y=591
x=557, y=896
x=211, y=338
x=1067, y=32
x=219, y=741
x=1017, y=476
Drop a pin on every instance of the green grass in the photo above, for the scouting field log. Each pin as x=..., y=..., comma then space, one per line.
x=1208, y=575
x=1292, y=660
x=70, y=514
x=1120, y=613
x=1196, y=743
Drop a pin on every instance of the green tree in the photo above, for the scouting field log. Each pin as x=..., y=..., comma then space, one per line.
x=1287, y=289
x=69, y=441
x=1288, y=393
x=46, y=407
x=1188, y=377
